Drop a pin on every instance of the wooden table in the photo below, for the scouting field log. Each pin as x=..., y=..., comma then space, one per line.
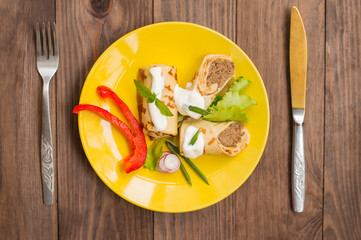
x=85, y=208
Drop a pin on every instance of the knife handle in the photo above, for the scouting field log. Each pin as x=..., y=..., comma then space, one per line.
x=298, y=169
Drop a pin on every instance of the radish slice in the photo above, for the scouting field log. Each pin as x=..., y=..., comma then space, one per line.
x=168, y=163
x=172, y=163
x=161, y=166
x=166, y=153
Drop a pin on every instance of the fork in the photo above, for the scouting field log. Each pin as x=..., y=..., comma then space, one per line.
x=47, y=61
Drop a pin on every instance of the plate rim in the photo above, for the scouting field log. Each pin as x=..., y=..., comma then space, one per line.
x=210, y=203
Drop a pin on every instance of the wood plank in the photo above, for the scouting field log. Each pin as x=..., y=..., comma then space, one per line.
x=22, y=213
x=263, y=205
x=342, y=199
x=87, y=208
x=217, y=221
x=216, y=14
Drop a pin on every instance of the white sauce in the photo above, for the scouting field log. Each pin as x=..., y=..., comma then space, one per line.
x=158, y=119
x=183, y=98
x=196, y=150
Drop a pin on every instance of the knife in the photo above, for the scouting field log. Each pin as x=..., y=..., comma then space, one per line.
x=298, y=72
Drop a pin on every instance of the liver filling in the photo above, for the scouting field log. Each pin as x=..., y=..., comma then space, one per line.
x=220, y=71
x=232, y=135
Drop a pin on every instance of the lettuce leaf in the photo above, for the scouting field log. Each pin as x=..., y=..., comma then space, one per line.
x=233, y=113
x=154, y=153
x=231, y=99
x=230, y=107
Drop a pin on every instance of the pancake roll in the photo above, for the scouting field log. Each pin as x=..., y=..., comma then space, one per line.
x=228, y=138
x=168, y=76
x=212, y=76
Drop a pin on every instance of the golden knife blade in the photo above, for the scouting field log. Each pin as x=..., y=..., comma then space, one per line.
x=298, y=60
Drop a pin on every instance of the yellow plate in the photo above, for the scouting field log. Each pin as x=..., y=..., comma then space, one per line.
x=182, y=45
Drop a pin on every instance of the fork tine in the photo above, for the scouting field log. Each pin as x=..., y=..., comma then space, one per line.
x=45, y=48
x=38, y=41
x=50, y=44
x=56, y=47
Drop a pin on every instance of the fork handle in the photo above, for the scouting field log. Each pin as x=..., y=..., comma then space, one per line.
x=47, y=164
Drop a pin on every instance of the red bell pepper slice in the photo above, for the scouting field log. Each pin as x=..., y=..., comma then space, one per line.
x=106, y=92
x=119, y=124
x=135, y=138
x=140, y=152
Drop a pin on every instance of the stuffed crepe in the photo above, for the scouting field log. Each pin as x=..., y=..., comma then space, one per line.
x=228, y=138
x=168, y=76
x=212, y=76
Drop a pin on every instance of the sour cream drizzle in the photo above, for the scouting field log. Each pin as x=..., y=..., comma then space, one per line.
x=196, y=150
x=183, y=98
x=158, y=119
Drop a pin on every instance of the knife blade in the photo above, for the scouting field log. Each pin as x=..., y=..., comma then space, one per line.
x=298, y=72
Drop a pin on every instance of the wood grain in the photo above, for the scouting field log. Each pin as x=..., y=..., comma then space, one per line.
x=216, y=14
x=217, y=221
x=84, y=208
x=87, y=208
x=342, y=201
x=22, y=213
x=263, y=204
